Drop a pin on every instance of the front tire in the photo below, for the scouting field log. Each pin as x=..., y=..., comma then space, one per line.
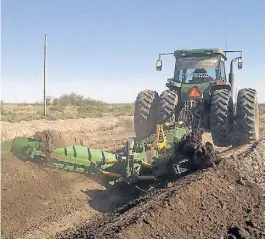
x=221, y=117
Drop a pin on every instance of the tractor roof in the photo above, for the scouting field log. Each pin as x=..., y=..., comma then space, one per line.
x=201, y=51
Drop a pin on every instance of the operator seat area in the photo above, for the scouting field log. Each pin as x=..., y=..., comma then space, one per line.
x=200, y=76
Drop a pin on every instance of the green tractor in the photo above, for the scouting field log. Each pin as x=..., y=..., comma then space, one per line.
x=200, y=84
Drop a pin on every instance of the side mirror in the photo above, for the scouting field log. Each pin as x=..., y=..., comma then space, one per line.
x=240, y=63
x=158, y=65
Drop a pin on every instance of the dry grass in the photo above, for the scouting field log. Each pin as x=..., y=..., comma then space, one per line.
x=67, y=106
x=70, y=106
x=5, y=149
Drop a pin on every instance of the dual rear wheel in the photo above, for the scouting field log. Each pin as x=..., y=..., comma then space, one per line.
x=241, y=129
x=247, y=116
x=145, y=112
x=150, y=109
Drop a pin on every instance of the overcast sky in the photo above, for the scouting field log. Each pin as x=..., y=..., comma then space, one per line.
x=107, y=50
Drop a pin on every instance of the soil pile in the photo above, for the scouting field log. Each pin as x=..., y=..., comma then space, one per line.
x=220, y=202
x=54, y=139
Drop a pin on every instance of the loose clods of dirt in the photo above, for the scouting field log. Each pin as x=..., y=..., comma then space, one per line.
x=201, y=155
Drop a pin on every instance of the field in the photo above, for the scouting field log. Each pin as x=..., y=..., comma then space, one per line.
x=40, y=202
x=68, y=106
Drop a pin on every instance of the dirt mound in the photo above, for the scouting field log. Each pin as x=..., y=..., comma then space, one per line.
x=220, y=202
x=54, y=139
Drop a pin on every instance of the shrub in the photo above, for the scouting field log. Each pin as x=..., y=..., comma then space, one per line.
x=75, y=99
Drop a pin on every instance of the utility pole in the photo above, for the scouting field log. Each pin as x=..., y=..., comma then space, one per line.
x=44, y=76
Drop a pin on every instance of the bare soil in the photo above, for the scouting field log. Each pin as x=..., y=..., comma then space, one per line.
x=78, y=127
x=220, y=202
x=33, y=197
x=39, y=202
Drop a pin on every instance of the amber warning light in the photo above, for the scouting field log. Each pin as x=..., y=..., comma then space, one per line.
x=195, y=92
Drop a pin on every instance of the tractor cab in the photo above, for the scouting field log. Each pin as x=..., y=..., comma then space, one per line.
x=199, y=68
x=202, y=69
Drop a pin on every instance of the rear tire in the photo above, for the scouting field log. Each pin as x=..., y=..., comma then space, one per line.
x=221, y=116
x=167, y=107
x=247, y=116
x=145, y=114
